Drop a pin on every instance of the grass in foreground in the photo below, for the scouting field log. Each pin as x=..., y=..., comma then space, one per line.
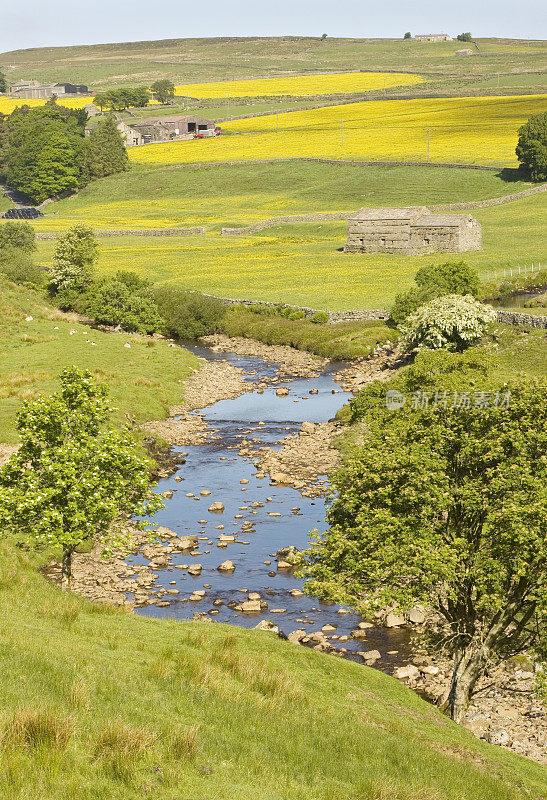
x=303, y=264
x=230, y=195
x=143, y=379
x=471, y=130
x=99, y=704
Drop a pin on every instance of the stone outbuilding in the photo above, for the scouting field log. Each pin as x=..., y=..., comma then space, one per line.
x=411, y=231
x=164, y=129
x=34, y=90
x=433, y=37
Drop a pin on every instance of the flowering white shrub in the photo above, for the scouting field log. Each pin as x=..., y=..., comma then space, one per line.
x=453, y=322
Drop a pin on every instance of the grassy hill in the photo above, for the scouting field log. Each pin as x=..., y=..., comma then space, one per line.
x=143, y=380
x=97, y=705
x=517, y=62
x=224, y=195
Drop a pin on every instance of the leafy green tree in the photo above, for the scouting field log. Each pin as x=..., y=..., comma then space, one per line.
x=464, y=37
x=407, y=35
x=104, y=151
x=164, y=90
x=74, y=258
x=18, y=234
x=450, y=321
x=531, y=149
x=115, y=304
x=446, y=506
x=188, y=315
x=18, y=266
x=435, y=280
x=3, y=83
x=73, y=475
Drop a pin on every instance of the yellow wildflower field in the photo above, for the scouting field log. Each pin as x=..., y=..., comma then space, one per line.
x=9, y=104
x=473, y=130
x=299, y=85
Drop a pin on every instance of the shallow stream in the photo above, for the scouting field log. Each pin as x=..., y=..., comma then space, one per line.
x=217, y=467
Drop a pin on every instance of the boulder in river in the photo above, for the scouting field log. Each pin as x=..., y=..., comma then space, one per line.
x=290, y=554
x=251, y=607
x=195, y=569
x=226, y=566
x=282, y=391
x=271, y=627
x=216, y=507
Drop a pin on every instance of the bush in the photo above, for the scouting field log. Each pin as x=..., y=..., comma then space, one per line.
x=452, y=277
x=114, y=304
x=320, y=318
x=18, y=266
x=188, y=315
x=406, y=303
x=435, y=280
x=18, y=234
x=531, y=149
x=451, y=322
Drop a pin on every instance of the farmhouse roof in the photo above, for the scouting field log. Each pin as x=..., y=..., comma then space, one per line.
x=392, y=213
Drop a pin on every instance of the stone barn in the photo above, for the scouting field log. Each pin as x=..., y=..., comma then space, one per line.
x=164, y=129
x=411, y=231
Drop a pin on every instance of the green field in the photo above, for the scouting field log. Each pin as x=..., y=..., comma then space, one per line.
x=303, y=264
x=234, y=195
x=143, y=380
x=98, y=705
x=193, y=60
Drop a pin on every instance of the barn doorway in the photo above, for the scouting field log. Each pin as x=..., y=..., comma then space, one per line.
x=191, y=127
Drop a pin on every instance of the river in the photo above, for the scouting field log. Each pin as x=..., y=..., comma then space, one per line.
x=217, y=467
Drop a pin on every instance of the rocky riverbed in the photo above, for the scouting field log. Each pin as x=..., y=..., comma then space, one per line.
x=253, y=433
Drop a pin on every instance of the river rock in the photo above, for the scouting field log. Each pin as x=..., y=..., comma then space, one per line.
x=429, y=670
x=296, y=636
x=280, y=478
x=328, y=628
x=359, y=634
x=167, y=494
x=307, y=428
x=185, y=543
x=165, y=533
x=370, y=656
x=244, y=480
x=364, y=626
x=251, y=607
x=226, y=566
x=225, y=537
x=284, y=565
x=158, y=562
x=205, y=493
x=410, y=673
x=394, y=620
x=296, y=593
x=216, y=507
x=416, y=616
x=291, y=554
x=195, y=569
x=282, y=391
x=271, y=627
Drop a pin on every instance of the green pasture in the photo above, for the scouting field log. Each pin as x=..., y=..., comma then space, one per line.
x=225, y=195
x=144, y=379
x=304, y=264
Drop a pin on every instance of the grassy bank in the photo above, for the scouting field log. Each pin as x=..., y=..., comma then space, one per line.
x=144, y=379
x=230, y=195
x=341, y=341
x=98, y=704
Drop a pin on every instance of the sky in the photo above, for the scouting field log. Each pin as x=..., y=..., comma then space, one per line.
x=42, y=23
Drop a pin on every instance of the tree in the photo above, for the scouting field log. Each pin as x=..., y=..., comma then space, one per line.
x=115, y=304
x=104, y=151
x=451, y=321
x=464, y=37
x=18, y=234
x=3, y=83
x=18, y=266
x=323, y=37
x=73, y=476
x=164, y=90
x=531, y=149
x=446, y=506
x=407, y=35
x=73, y=260
x=435, y=280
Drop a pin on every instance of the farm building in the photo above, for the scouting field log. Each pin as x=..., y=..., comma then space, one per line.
x=33, y=90
x=163, y=129
x=411, y=231
x=433, y=37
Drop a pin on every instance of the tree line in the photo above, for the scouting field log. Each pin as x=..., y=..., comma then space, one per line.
x=44, y=151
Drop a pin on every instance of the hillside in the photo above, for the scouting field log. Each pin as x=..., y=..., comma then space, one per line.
x=98, y=704
x=504, y=63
